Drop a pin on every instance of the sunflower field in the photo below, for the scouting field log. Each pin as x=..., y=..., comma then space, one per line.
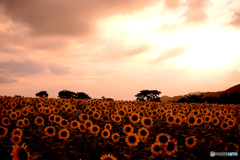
x=53, y=128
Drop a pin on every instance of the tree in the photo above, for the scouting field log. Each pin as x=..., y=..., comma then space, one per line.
x=66, y=94
x=148, y=95
x=42, y=94
x=82, y=95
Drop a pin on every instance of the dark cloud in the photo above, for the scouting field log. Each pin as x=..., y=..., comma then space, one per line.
x=235, y=19
x=170, y=53
x=60, y=17
x=6, y=79
x=196, y=10
x=21, y=68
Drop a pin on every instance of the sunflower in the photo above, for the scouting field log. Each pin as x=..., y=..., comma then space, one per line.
x=63, y=134
x=50, y=131
x=117, y=118
x=207, y=119
x=96, y=115
x=178, y=120
x=13, y=116
x=94, y=129
x=143, y=133
x=51, y=117
x=17, y=131
x=26, y=121
x=191, y=121
x=82, y=127
x=57, y=119
x=207, y=127
x=105, y=133
x=231, y=123
x=64, y=123
x=121, y=112
x=215, y=121
x=162, y=138
x=20, y=123
x=132, y=139
x=74, y=124
x=156, y=148
x=83, y=117
x=224, y=125
x=3, y=131
x=39, y=121
x=128, y=129
x=6, y=121
x=191, y=141
x=134, y=118
x=88, y=124
x=105, y=118
x=32, y=110
x=108, y=126
x=115, y=137
x=25, y=112
x=170, y=119
x=15, y=139
x=20, y=152
x=147, y=122
x=108, y=157
x=171, y=147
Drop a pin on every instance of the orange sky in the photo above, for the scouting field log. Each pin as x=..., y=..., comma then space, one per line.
x=117, y=48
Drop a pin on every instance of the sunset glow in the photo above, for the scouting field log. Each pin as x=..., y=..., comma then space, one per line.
x=115, y=49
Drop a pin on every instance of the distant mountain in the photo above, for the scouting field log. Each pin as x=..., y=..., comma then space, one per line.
x=234, y=89
x=165, y=98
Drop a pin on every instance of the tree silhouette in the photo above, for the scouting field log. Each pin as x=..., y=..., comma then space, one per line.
x=148, y=95
x=82, y=95
x=42, y=94
x=66, y=94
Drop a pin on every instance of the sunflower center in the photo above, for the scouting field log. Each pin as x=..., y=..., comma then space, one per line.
x=190, y=141
x=105, y=133
x=84, y=117
x=171, y=146
x=16, y=139
x=225, y=125
x=191, y=120
x=13, y=115
x=115, y=137
x=170, y=119
x=132, y=139
x=177, y=120
x=143, y=133
x=74, y=124
x=147, y=121
x=6, y=120
x=82, y=127
x=22, y=154
x=64, y=122
x=156, y=148
x=128, y=129
x=57, y=119
x=64, y=134
x=95, y=129
x=163, y=139
x=39, y=120
x=50, y=130
x=105, y=118
x=117, y=118
x=134, y=118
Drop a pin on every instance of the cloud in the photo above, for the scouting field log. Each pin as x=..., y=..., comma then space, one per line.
x=235, y=20
x=21, y=68
x=196, y=11
x=170, y=53
x=172, y=4
x=58, y=70
x=59, y=17
x=5, y=79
